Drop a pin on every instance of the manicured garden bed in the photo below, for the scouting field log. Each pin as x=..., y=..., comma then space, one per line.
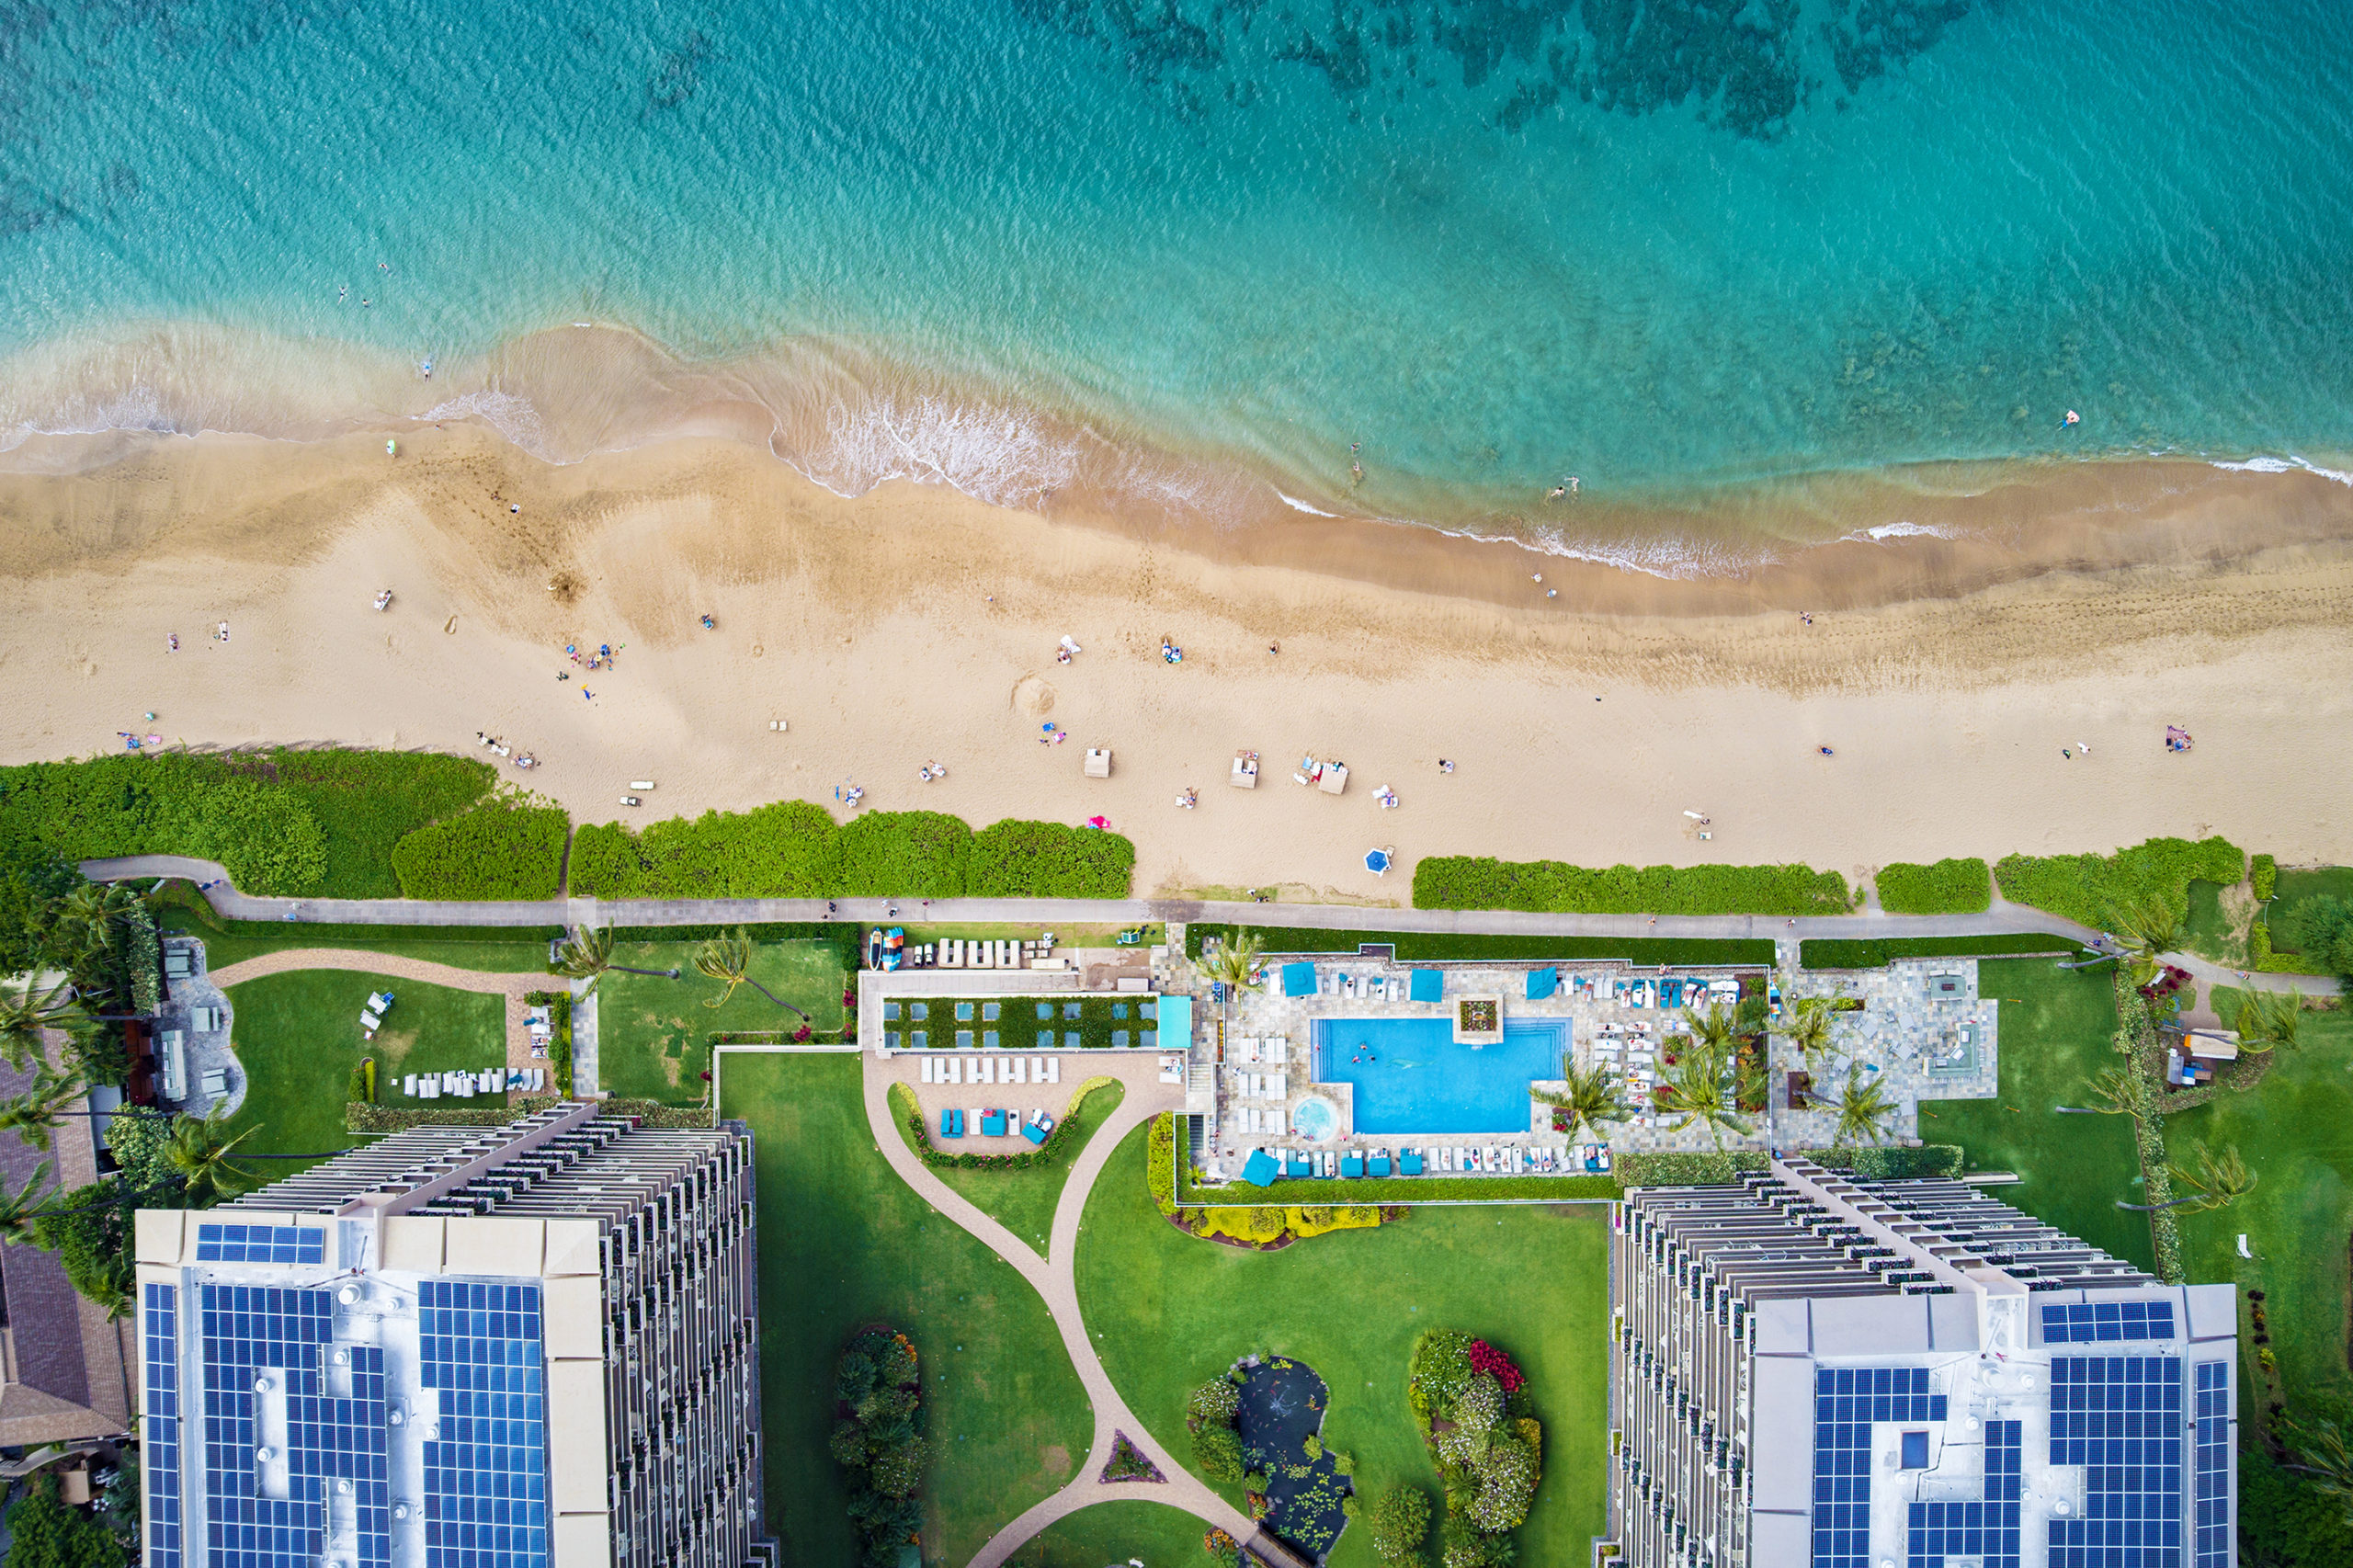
x=1021, y=1023
x=1173, y=1311
x=1023, y=1200
x=845, y=1244
x=653, y=1033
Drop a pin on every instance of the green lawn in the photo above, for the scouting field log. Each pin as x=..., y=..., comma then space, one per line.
x=1023, y=1201
x=2055, y=1030
x=1112, y=1533
x=653, y=1033
x=522, y=953
x=1171, y=1310
x=2295, y=1131
x=2336, y=881
x=298, y=1037
x=845, y=1243
x=1020, y=1023
x=2210, y=933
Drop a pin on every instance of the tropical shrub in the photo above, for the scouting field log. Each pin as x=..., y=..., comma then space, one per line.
x=1218, y=1402
x=877, y=1439
x=1221, y=1548
x=2263, y=876
x=44, y=1532
x=1400, y=1523
x=1413, y=947
x=1217, y=1453
x=504, y=848
x=1160, y=1162
x=93, y=1246
x=2322, y=930
x=1048, y=860
x=1468, y=882
x=1948, y=887
x=1488, y=1464
x=2087, y=888
x=903, y=855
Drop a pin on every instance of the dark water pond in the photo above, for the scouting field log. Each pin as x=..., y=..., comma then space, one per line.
x=1282, y=1405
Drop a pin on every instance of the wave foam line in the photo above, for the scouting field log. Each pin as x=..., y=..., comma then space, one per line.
x=2284, y=465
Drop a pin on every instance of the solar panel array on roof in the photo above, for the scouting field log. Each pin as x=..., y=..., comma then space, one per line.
x=261, y=1244
x=1846, y=1401
x=2119, y=1417
x=1986, y=1530
x=248, y=1330
x=2212, y=1500
x=486, y=1474
x=161, y=1352
x=2091, y=1323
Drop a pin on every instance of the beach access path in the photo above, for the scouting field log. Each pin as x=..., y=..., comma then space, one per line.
x=2002, y=918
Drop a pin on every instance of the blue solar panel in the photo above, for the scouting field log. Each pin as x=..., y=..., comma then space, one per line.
x=160, y=1345
x=261, y=1244
x=2096, y=1323
x=2119, y=1417
x=2212, y=1521
x=1987, y=1530
x=485, y=1475
x=1846, y=1401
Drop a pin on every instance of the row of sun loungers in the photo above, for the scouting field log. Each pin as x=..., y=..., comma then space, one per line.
x=1261, y=1086
x=996, y=1124
x=1271, y=1123
x=466, y=1086
x=1002, y=1067
x=1493, y=1159
x=953, y=954
x=1270, y=1052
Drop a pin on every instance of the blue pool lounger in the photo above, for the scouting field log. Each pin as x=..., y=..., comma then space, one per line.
x=1381, y=1163
x=992, y=1123
x=948, y=1124
x=1299, y=1165
x=1352, y=1165
x=1409, y=1162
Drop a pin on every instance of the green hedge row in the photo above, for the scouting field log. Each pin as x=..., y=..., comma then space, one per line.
x=1875, y=952
x=2082, y=887
x=360, y=1118
x=1417, y=947
x=795, y=850
x=1478, y=881
x=1948, y=887
x=505, y=848
x=284, y=821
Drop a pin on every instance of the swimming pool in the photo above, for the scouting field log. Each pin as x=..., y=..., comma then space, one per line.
x=1409, y=1076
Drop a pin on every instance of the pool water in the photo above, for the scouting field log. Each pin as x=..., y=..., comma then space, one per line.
x=1409, y=1076
x=1316, y=1118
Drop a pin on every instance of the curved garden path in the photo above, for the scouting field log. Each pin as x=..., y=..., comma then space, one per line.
x=393, y=966
x=1054, y=1277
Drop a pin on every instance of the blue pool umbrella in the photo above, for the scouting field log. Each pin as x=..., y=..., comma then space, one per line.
x=1260, y=1170
x=1377, y=861
x=1298, y=980
x=1427, y=985
x=1542, y=982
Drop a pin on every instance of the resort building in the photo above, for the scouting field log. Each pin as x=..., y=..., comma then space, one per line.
x=533, y=1346
x=1809, y=1369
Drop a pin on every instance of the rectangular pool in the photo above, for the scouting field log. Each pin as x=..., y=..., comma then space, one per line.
x=1409, y=1076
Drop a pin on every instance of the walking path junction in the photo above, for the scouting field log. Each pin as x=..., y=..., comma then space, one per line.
x=2002, y=919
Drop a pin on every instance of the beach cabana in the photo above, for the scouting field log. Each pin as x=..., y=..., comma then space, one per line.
x=1409, y=1162
x=1099, y=762
x=1299, y=1165
x=1380, y=1165
x=1298, y=980
x=1542, y=983
x=993, y=1124
x=1260, y=1170
x=1335, y=777
x=1352, y=1165
x=1426, y=985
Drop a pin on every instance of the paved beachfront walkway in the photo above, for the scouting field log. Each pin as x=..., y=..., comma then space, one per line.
x=2004, y=917
x=393, y=965
x=1054, y=1277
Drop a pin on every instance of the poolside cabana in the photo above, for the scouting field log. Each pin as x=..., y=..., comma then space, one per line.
x=1260, y=1170
x=1542, y=983
x=1298, y=980
x=1426, y=985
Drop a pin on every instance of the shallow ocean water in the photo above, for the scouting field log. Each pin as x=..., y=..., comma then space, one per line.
x=1678, y=251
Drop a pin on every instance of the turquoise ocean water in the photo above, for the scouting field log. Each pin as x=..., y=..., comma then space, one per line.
x=1190, y=250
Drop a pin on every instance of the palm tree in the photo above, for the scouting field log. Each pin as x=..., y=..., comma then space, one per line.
x=1863, y=1108
x=2147, y=927
x=587, y=953
x=1592, y=1098
x=83, y=915
x=1695, y=1091
x=2219, y=1181
x=19, y=1209
x=1808, y=1030
x=31, y=1114
x=2321, y=1451
x=25, y=1012
x=2118, y=1092
x=1713, y=1031
x=200, y=1154
x=2266, y=1018
x=1234, y=963
x=728, y=957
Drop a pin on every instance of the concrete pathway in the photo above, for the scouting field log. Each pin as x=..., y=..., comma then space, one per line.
x=2004, y=917
x=395, y=966
x=1054, y=1277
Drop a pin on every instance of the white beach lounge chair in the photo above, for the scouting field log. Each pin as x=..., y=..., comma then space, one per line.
x=986, y=1069
x=951, y=1071
x=1053, y=1066
x=408, y=1085
x=928, y=1072
x=1020, y=1065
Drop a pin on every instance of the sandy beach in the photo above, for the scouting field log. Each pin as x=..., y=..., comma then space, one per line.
x=915, y=626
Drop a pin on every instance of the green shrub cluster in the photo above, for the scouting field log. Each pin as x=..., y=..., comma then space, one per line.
x=878, y=1440
x=795, y=850
x=1894, y=1162
x=505, y=848
x=1400, y=1523
x=2084, y=887
x=45, y=1532
x=1478, y=881
x=283, y=822
x=2322, y=930
x=1473, y=1408
x=1705, y=1167
x=1212, y=1411
x=1878, y=952
x=1430, y=947
x=1948, y=887
x=368, y=1120
x=2263, y=876
x=1160, y=1162
x=90, y=1233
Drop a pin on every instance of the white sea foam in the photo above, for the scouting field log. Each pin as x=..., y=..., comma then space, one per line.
x=1296, y=505
x=2285, y=465
x=1674, y=560
x=994, y=453
x=137, y=407
x=1885, y=531
x=513, y=417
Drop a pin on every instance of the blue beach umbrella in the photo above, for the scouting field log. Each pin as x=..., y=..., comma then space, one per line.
x=1377, y=862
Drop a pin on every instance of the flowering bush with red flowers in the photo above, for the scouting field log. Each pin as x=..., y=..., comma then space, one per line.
x=1485, y=1357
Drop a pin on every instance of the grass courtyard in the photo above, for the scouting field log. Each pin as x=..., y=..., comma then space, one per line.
x=298, y=1038
x=2055, y=1030
x=653, y=1033
x=1170, y=1311
x=1114, y=1532
x=1023, y=1201
x=844, y=1243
